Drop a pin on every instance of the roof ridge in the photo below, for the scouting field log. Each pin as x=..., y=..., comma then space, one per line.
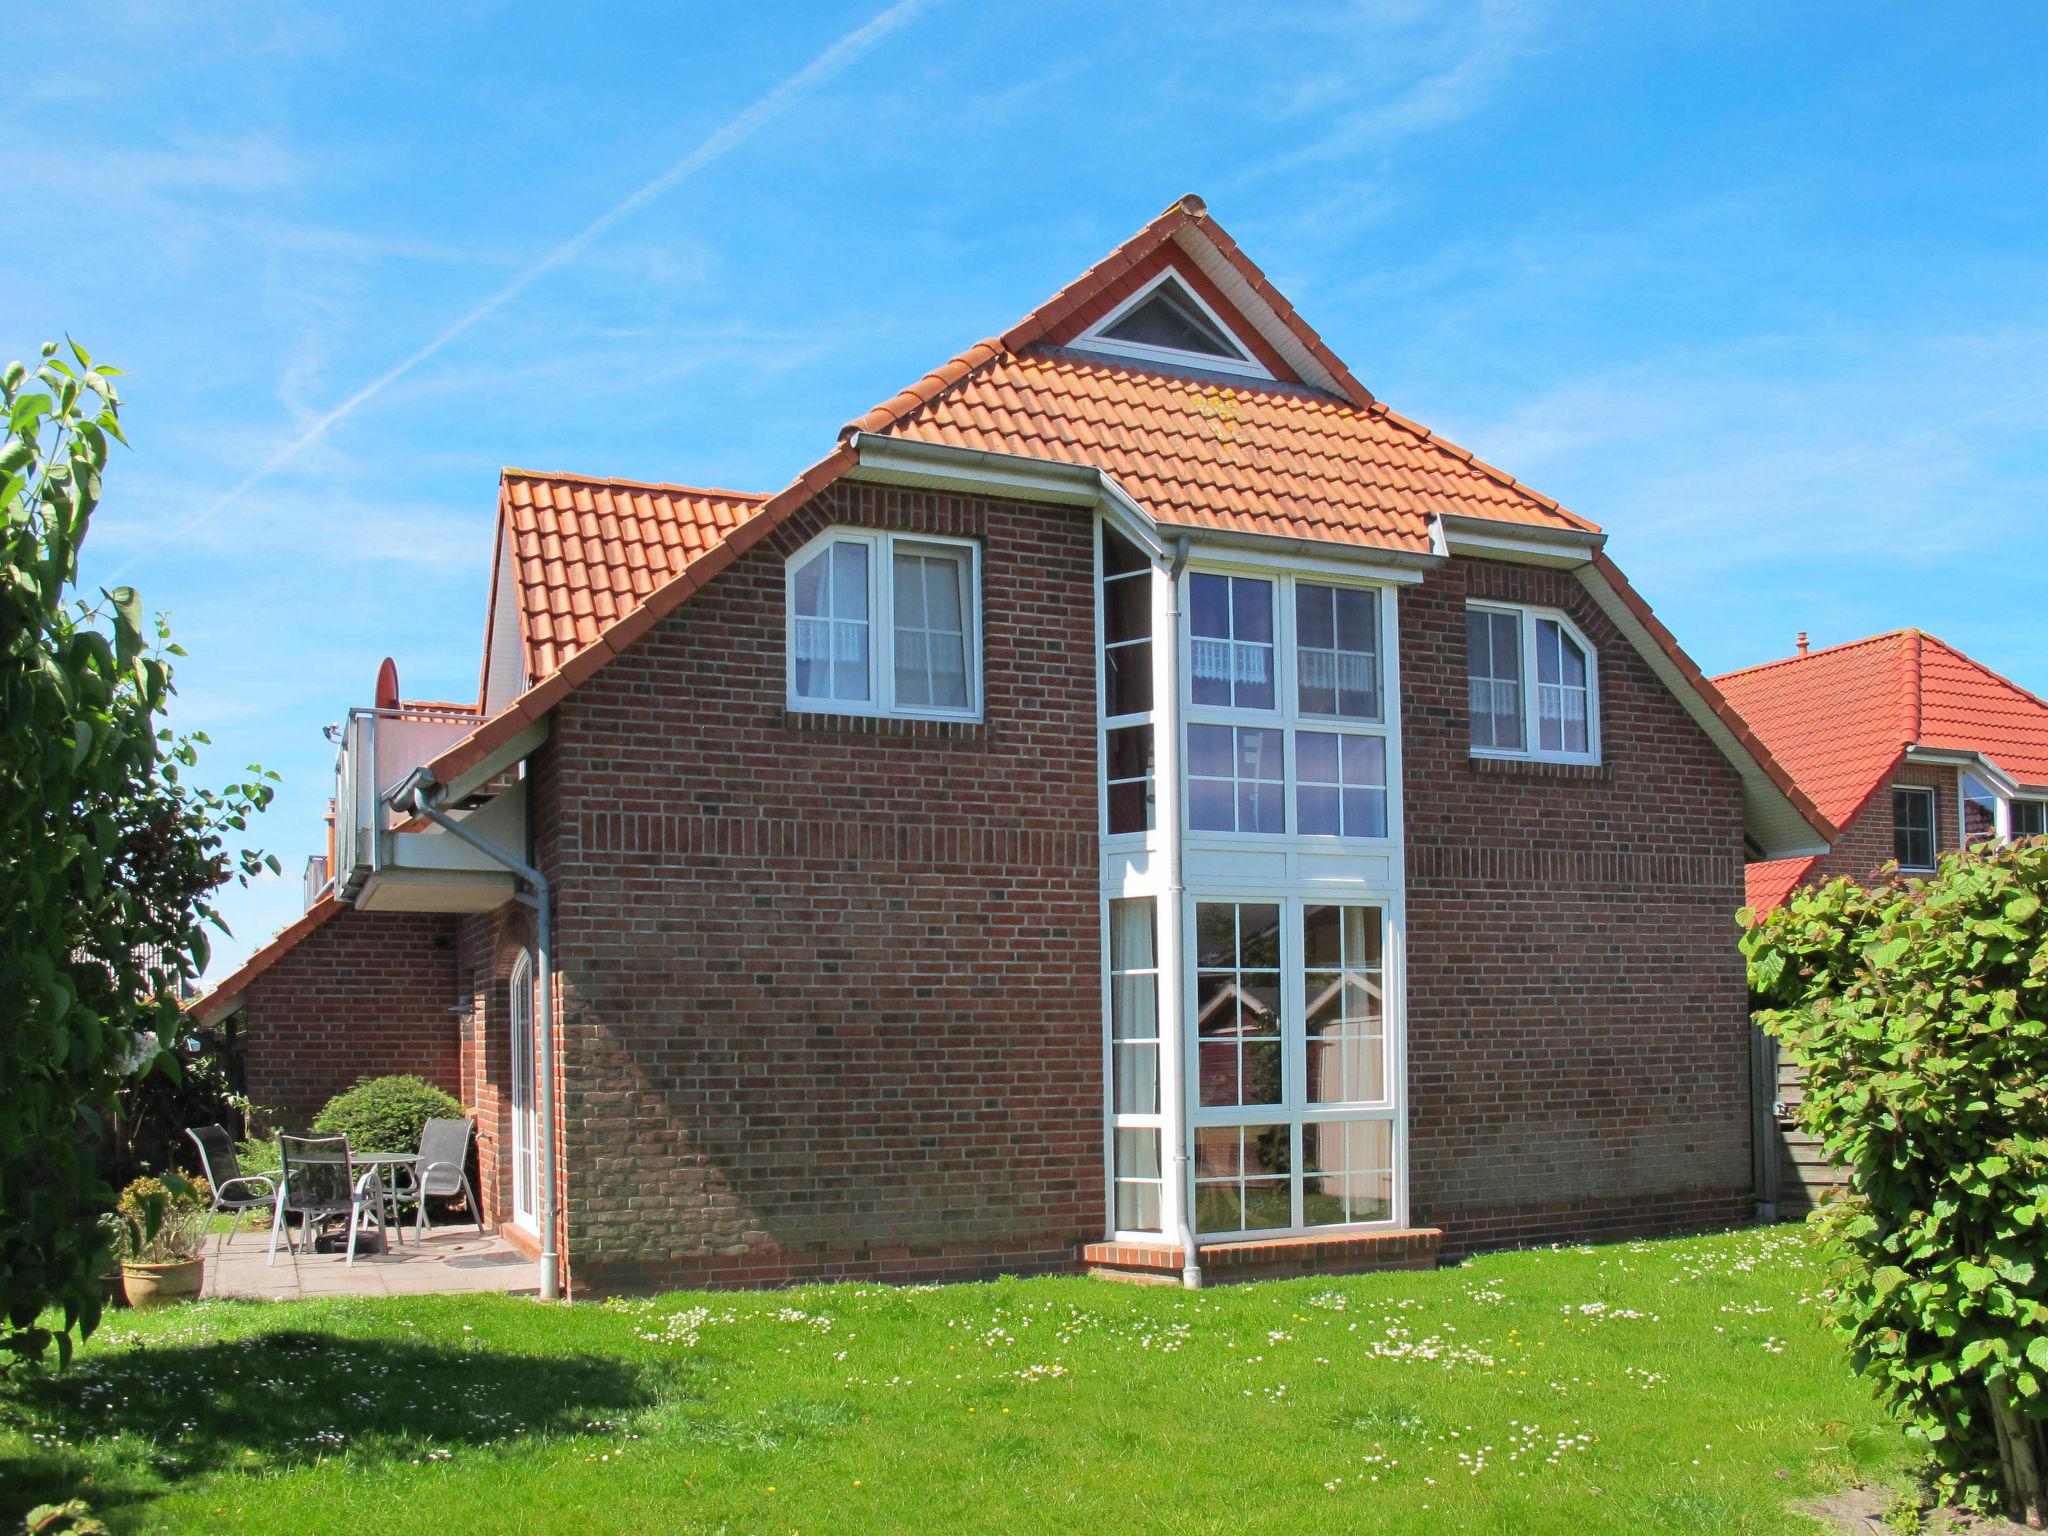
x=1912, y=706
x=512, y=471
x=1991, y=672
x=1826, y=650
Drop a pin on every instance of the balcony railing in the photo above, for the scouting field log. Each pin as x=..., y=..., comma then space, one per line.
x=379, y=749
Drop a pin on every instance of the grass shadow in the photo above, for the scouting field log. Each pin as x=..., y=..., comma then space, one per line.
x=120, y=1428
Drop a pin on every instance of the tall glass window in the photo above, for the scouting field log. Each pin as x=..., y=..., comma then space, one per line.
x=1127, y=747
x=1135, y=1160
x=1296, y=1106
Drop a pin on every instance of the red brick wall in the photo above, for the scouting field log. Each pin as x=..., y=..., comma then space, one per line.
x=830, y=995
x=362, y=995
x=1577, y=1020
x=1866, y=843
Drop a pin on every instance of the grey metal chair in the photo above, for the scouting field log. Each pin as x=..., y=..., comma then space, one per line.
x=441, y=1170
x=233, y=1190
x=317, y=1178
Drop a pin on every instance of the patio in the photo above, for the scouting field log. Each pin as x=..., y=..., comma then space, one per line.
x=452, y=1260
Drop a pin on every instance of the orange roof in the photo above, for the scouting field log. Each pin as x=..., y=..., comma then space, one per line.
x=587, y=552
x=1208, y=450
x=1770, y=881
x=230, y=987
x=1840, y=719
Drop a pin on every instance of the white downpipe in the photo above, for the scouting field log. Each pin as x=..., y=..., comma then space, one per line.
x=422, y=792
x=1172, y=934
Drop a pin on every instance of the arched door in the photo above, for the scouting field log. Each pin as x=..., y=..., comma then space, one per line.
x=523, y=1181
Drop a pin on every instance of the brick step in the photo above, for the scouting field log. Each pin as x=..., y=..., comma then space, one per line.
x=1268, y=1258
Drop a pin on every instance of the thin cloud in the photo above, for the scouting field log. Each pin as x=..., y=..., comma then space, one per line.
x=835, y=60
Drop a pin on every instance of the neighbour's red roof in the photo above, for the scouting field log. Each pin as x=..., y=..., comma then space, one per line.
x=1840, y=720
x=587, y=552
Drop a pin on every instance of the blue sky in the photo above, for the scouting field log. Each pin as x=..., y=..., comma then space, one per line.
x=1757, y=287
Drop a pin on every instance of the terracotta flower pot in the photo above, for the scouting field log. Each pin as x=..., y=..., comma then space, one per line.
x=112, y=1292
x=159, y=1285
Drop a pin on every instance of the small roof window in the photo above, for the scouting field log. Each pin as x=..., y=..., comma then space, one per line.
x=1166, y=321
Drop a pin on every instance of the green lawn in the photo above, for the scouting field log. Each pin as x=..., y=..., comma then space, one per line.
x=1669, y=1386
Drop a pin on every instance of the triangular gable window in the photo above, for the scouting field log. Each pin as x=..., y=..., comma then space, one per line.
x=1167, y=322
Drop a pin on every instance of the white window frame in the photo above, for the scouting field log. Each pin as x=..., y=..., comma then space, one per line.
x=1093, y=339
x=881, y=700
x=2001, y=809
x=521, y=1080
x=1116, y=1119
x=1528, y=616
x=1287, y=716
x=1933, y=825
x=1295, y=1109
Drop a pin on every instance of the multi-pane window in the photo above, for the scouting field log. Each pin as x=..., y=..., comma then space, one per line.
x=1343, y=1003
x=1231, y=659
x=1493, y=678
x=1980, y=809
x=1320, y=767
x=1134, y=1064
x=1552, y=714
x=931, y=626
x=1340, y=784
x=921, y=661
x=2030, y=818
x=831, y=644
x=1236, y=779
x=1296, y=1103
x=1562, y=713
x=1347, y=1171
x=1243, y=1177
x=1913, y=828
x=1237, y=1003
x=1337, y=651
x=1127, y=746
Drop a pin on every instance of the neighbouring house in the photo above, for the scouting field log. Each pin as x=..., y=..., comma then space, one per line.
x=1910, y=748
x=1136, y=804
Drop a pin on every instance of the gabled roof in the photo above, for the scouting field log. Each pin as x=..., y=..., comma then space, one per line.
x=1311, y=455
x=587, y=552
x=1841, y=719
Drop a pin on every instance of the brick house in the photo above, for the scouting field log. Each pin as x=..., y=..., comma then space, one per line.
x=1905, y=743
x=1137, y=803
x=1911, y=749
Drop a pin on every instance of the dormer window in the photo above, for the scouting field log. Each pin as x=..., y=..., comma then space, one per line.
x=1166, y=321
x=885, y=624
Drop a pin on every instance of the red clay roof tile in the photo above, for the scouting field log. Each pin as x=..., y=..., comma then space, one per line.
x=586, y=552
x=1840, y=719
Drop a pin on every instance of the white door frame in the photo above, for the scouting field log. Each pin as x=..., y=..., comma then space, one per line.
x=520, y=1010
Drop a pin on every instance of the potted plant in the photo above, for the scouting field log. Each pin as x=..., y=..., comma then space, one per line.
x=164, y=1228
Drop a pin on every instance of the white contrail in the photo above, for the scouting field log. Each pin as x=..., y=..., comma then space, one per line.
x=840, y=56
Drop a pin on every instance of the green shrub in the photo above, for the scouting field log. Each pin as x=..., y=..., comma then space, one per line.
x=385, y=1114
x=1919, y=1014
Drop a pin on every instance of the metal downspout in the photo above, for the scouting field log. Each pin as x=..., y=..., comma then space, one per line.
x=544, y=984
x=1176, y=890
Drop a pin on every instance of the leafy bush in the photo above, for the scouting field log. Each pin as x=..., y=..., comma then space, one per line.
x=1919, y=1014
x=385, y=1114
